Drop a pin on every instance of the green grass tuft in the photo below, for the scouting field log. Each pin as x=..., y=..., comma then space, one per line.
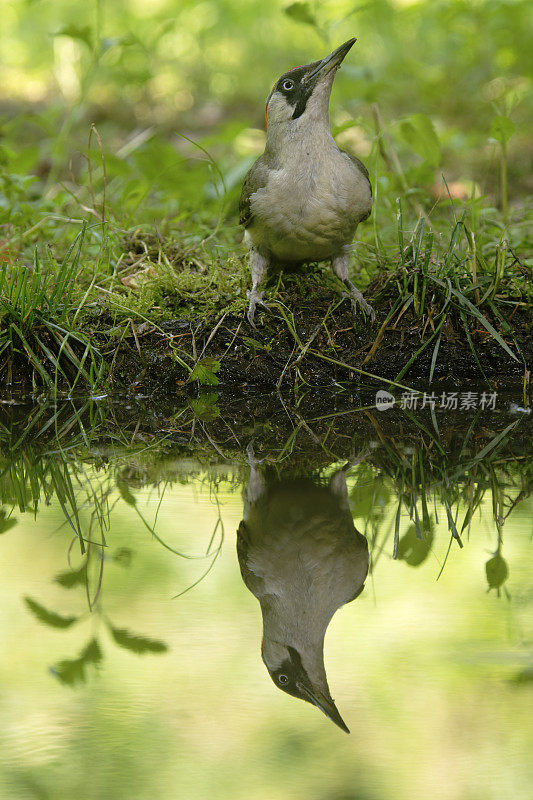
x=37, y=305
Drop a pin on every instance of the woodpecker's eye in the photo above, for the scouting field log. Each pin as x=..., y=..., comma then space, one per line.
x=287, y=85
x=283, y=679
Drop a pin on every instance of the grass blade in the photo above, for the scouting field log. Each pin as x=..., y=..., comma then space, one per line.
x=479, y=316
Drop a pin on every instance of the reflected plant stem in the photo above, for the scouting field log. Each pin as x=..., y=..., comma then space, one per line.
x=218, y=523
x=446, y=557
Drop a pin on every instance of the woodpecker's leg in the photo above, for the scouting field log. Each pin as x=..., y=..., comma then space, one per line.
x=339, y=266
x=337, y=482
x=255, y=486
x=258, y=266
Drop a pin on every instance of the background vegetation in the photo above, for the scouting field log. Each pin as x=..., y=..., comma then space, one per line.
x=141, y=119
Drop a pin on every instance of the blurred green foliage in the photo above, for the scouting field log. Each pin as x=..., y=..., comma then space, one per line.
x=141, y=120
x=445, y=74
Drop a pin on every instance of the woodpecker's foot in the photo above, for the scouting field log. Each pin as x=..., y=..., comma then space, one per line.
x=256, y=299
x=337, y=482
x=356, y=298
x=353, y=462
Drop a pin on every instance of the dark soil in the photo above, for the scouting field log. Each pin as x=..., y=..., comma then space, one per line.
x=309, y=338
x=274, y=357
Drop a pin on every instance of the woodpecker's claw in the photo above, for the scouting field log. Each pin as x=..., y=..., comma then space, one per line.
x=356, y=298
x=356, y=460
x=256, y=299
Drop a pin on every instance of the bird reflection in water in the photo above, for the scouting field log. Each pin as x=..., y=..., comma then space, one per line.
x=301, y=556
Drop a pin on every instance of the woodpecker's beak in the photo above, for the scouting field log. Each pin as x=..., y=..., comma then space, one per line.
x=324, y=701
x=332, y=61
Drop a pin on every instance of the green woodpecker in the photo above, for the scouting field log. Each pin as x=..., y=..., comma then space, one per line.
x=303, y=198
x=302, y=557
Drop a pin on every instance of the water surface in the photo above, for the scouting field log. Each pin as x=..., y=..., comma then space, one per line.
x=134, y=669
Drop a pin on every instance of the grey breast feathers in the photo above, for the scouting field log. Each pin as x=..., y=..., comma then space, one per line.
x=258, y=176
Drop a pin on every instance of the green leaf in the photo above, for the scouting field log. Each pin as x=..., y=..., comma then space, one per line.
x=204, y=371
x=49, y=617
x=81, y=34
x=107, y=42
x=451, y=523
x=419, y=133
x=502, y=129
x=5, y=155
x=71, y=577
x=301, y=12
x=345, y=126
x=493, y=442
x=137, y=644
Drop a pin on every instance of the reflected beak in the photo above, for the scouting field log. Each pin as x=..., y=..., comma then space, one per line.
x=332, y=61
x=322, y=701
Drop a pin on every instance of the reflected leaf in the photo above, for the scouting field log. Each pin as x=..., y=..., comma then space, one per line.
x=123, y=556
x=369, y=496
x=478, y=496
x=205, y=407
x=413, y=550
x=137, y=644
x=6, y=523
x=254, y=344
x=523, y=677
x=496, y=571
x=69, y=671
x=49, y=617
x=95, y=573
x=92, y=653
x=71, y=578
x=72, y=670
x=125, y=493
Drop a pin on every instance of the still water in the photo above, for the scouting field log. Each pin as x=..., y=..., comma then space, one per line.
x=163, y=612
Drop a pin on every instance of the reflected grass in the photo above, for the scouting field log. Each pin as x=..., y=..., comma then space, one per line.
x=81, y=457
x=447, y=649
